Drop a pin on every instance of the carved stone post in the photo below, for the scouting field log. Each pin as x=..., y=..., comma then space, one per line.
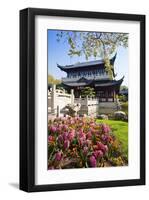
x=58, y=111
x=86, y=100
x=72, y=97
x=53, y=99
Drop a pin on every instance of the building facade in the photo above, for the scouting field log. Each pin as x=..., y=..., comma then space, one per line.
x=92, y=74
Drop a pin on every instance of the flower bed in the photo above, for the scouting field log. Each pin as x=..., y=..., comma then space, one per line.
x=81, y=143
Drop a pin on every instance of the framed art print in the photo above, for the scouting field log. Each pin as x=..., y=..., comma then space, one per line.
x=82, y=99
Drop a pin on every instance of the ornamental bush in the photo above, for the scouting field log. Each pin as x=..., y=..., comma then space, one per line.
x=80, y=142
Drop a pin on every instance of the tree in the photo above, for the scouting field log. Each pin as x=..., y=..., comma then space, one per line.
x=123, y=88
x=52, y=80
x=124, y=93
x=88, y=91
x=94, y=44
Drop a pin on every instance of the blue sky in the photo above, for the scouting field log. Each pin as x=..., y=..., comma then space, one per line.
x=57, y=53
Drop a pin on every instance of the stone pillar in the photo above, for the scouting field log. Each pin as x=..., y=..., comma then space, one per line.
x=57, y=111
x=87, y=108
x=53, y=99
x=86, y=100
x=72, y=96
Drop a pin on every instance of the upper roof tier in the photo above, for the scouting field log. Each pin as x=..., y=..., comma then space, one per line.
x=85, y=64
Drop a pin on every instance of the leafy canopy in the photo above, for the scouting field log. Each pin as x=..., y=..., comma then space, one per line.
x=52, y=80
x=123, y=88
x=94, y=44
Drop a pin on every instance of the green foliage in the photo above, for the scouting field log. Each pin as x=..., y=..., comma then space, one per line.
x=123, y=88
x=123, y=98
x=124, y=107
x=88, y=91
x=52, y=80
x=108, y=67
x=120, y=130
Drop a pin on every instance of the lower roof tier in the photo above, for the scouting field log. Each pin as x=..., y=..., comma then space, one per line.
x=93, y=83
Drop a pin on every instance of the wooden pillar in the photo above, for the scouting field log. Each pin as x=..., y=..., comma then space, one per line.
x=114, y=96
x=106, y=94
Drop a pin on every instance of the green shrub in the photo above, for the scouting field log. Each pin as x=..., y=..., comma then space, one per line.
x=124, y=107
x=123, y=98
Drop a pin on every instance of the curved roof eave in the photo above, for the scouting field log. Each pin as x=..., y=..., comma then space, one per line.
x=85, y=64
x=112, y=83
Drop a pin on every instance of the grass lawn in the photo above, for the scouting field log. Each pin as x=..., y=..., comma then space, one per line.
x=120, y=130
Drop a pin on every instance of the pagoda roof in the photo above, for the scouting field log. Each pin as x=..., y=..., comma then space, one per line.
x=85, y=64
x=81, y=82
x=110, y=83
x=96, y=83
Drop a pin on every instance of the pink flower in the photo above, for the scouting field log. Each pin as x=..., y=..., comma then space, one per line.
x=65, y=135
x=60, y=139
x=71, y=135
x=53, y=129
x=92, y=130
x=106, y=148
x=77, y=118
x=50, y=138
x=92, y=124
x=72, y=122
x=106, y=138
x=66, y=144
x=81, y=141
x=58, y=156
x=82, y=135
x=89, y=135
x=65, y=127
x=85, y=150
x=105, y=128
x=59, y=129
x=93, y=161
x=88, y=143
x=98, y=154
x=102, y=147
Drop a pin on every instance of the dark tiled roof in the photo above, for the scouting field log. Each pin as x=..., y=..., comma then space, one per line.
x=75, y=84
x=81, y=82
x=85, y=64
x=95, y=83
x=110, y=83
